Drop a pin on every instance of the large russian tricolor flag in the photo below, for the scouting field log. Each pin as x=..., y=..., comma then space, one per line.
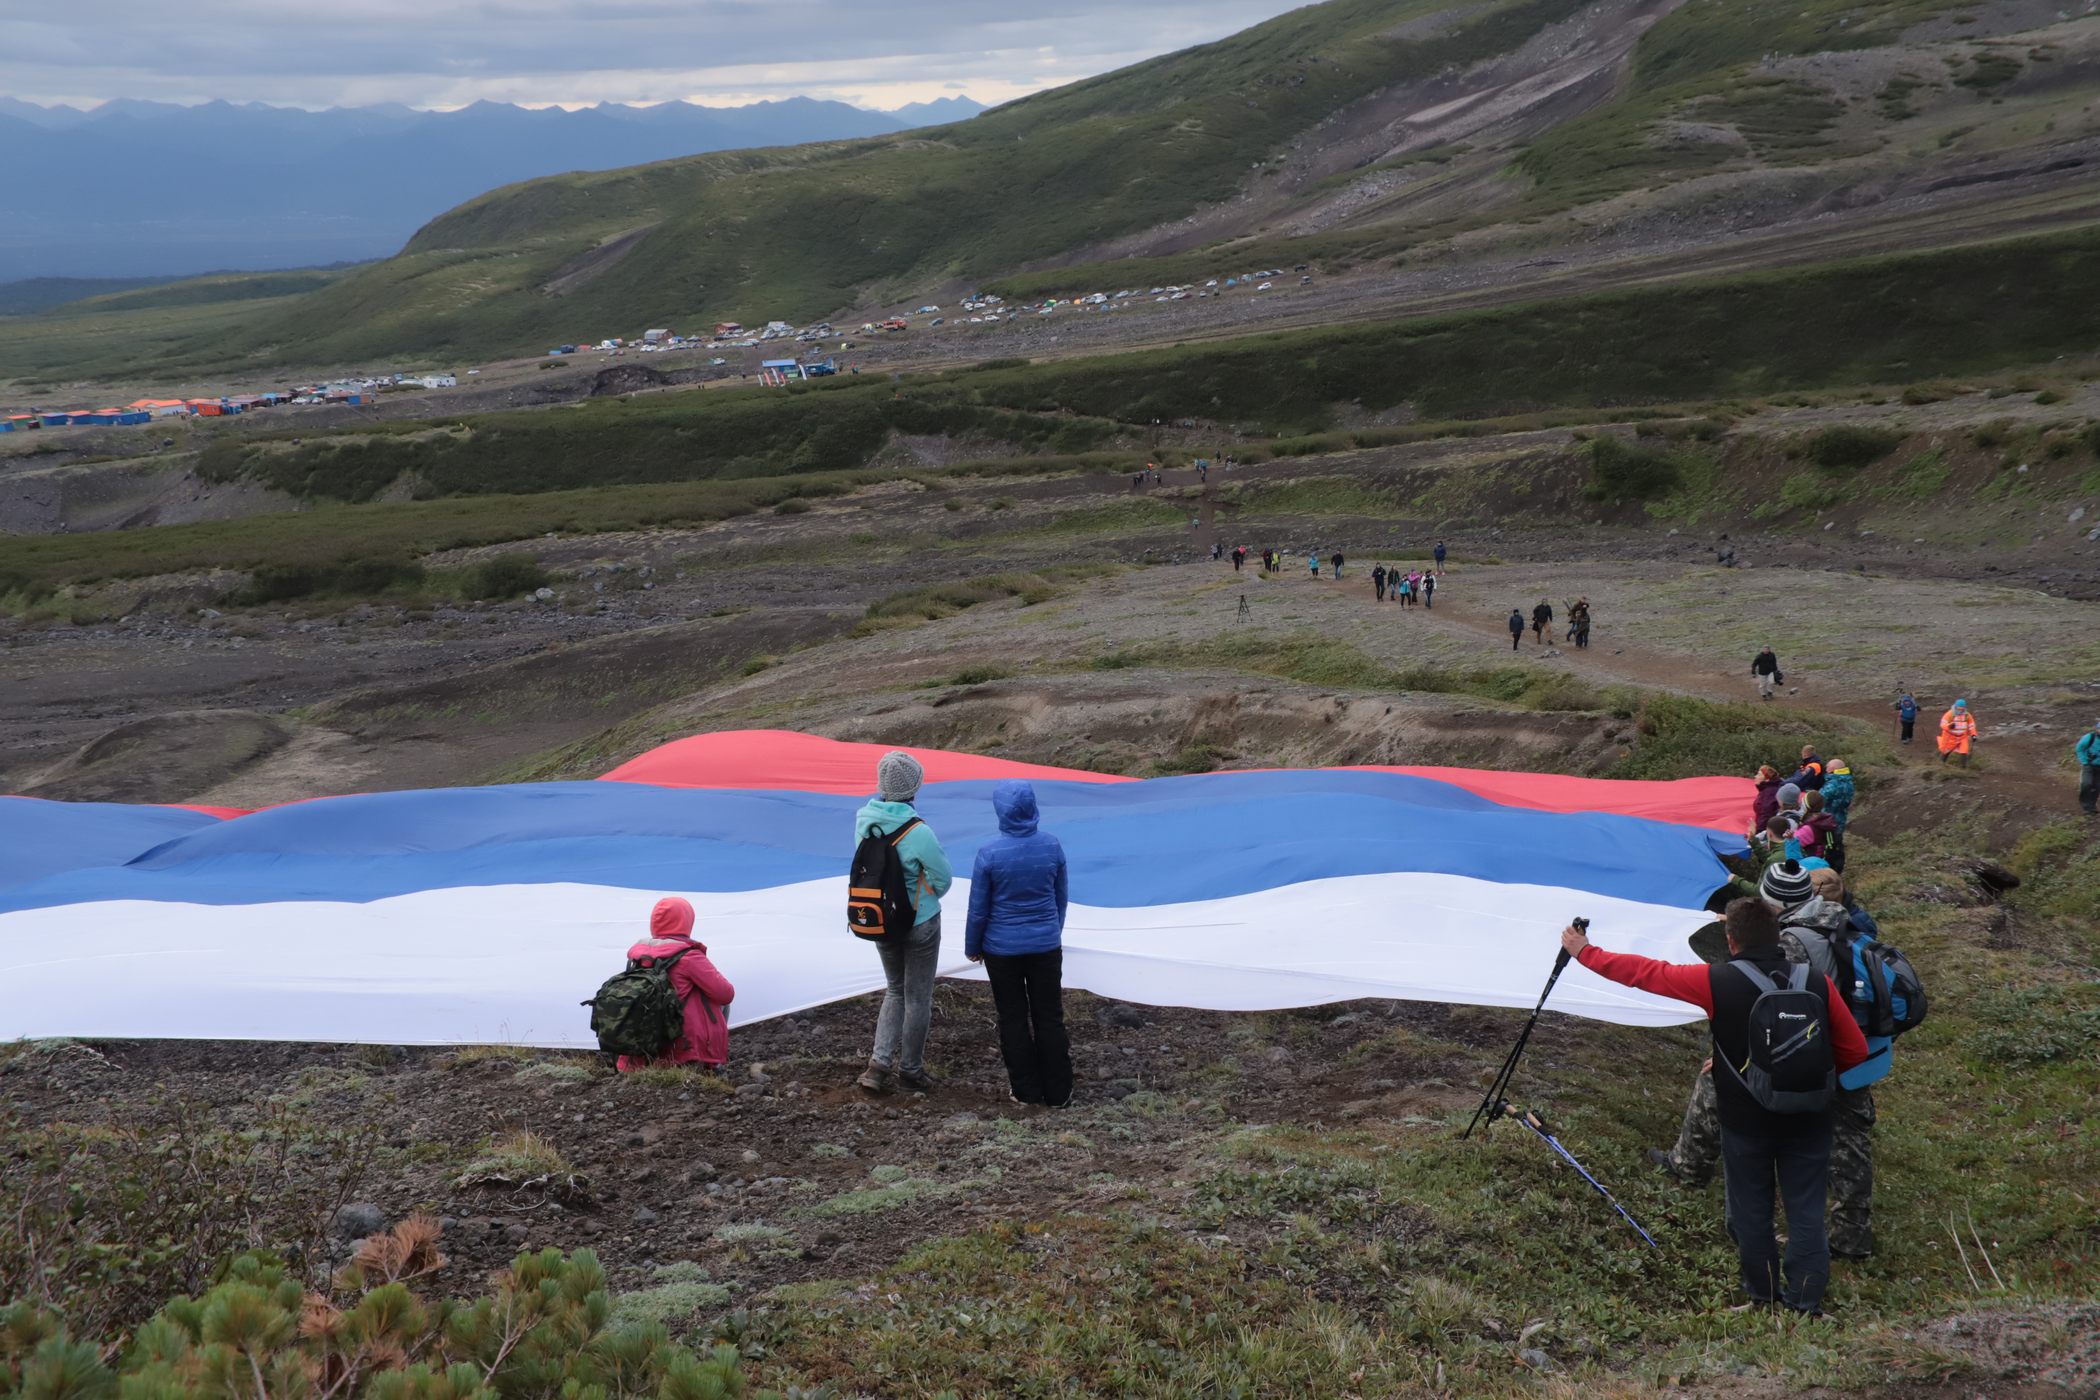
x=484, y=915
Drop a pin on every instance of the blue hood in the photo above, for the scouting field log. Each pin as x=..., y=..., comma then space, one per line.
x=1014, y=801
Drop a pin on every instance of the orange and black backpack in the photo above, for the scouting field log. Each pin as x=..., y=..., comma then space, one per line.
x=878, y=896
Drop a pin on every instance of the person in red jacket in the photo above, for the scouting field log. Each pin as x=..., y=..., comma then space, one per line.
x=1758, y=1146
x=705, y=991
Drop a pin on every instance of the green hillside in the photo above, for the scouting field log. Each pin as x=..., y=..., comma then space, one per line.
x=800, y=232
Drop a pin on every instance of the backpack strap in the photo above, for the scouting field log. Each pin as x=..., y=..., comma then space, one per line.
x=904, y=831
x=1757, y=976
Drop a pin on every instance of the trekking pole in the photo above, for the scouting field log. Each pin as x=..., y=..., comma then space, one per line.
x=1492, y=1101
x=1537, y=1125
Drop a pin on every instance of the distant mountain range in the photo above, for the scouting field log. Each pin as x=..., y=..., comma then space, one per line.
x=132, y=189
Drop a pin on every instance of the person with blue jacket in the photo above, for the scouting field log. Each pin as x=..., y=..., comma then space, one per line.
x=908, y=968
x=1018, y=896
x=2088, y=755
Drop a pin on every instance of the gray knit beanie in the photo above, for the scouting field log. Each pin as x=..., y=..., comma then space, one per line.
x=897, y=777
x=1789, y=795
x=1785, y=885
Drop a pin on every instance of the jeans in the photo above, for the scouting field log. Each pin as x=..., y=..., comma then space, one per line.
x=1801, y=1167
x=1028, y=990
x=2089, y=788
x=907, y=1004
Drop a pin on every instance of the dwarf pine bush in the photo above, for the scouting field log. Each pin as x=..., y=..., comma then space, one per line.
x=258, y=1334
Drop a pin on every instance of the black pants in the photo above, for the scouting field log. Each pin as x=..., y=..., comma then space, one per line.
x=2089, y=788
x=1028, y=989
x=1908, y=726
x=1800, y=1166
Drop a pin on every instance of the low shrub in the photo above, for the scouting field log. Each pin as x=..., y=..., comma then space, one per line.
x=505, y=576
x=549, y=1327
x=1849, y=445
x=1623, y=473
x=345, y=578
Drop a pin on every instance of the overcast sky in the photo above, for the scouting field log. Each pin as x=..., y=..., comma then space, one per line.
x=445, y=53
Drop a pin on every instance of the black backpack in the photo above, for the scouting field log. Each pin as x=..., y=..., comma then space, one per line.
x=878, y=897
x=1790, y=1067
x=637, y=1012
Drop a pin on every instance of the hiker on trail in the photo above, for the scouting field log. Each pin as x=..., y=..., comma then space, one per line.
x=1414, y=587
x=1439, y=556
x=1541, y=619
x=704, y=992
x=1428, y=590
x=1016, y=929
x=1838, y=791
x=1378, y=581
x=1764, y=669
x=1239, y=557
x=2088, y=755
x=1820, y=923
x=1818, y=832
x=1763, y=1136
x=907, y=967
x=1516, y=628
x=1809, y=776
x=1766, y=802
x=1337, y=562
x=1314, y=561
x=1957, y=732
x=1579, y=623
x=1907, y=713
x=1217, y=550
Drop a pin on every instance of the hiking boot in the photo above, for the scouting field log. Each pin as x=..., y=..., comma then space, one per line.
x=1866, y=1253
x=878, y=1079
x=918, y=1081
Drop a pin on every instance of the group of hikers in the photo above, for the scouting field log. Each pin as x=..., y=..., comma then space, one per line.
x=1014, y=930
x=1804, y=1009
x=1387, y=582
x=1542, y=623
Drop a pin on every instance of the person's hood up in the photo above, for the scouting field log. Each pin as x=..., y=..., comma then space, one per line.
x=1819, y=914
x=671, y=918
x=1014, y=801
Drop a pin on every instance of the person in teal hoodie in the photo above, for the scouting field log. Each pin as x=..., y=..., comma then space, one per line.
x=1838, y=792
x=2088, y=754
x=907, y=967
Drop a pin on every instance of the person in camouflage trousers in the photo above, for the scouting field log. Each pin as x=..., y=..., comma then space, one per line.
x=1692, y=1158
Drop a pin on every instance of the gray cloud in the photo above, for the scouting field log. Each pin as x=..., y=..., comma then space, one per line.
x=447, y=52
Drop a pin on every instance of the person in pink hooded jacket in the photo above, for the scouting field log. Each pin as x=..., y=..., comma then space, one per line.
x=704, y=990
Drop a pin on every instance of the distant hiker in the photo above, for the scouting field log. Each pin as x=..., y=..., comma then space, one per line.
x=1766, y=801
x=1516, y=628
x=1428, y=590
x=1774, y=1109
x=1541, y=619
x=1907, y=714
x=1579, y=620
x=1809, y=776
x=1217, y=550
x=1378, y=581
x=1440, y=556
x=1314, y=561
x=1838, y=792
x=1337, y=562
x=1239, y=558
x=1018, y=897
x=1396, y=585
x=704, y=992
x=908, y=964
x=2088, y=756
x=1957, y=732
x=1764, y=669
x=1414, y=587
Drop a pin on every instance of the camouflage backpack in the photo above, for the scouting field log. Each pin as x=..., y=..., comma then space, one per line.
x=637, y=1012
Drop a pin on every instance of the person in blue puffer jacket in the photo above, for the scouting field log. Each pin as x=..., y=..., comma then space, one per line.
x=1018, y=895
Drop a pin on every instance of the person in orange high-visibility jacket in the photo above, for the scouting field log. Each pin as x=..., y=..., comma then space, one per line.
x=1957, y=732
